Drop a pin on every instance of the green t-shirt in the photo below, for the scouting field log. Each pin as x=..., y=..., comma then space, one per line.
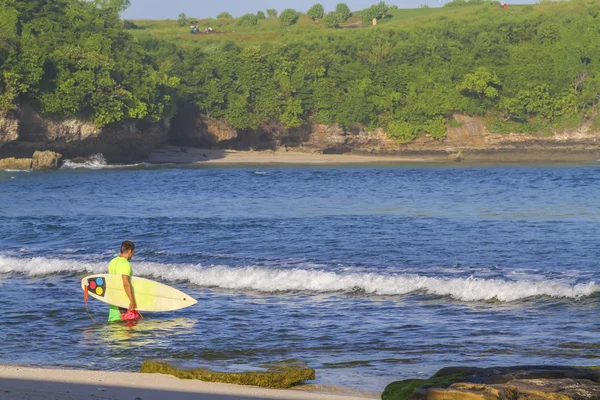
x=118, y=266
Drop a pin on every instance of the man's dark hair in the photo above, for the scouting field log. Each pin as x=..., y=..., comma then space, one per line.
x=126, y=246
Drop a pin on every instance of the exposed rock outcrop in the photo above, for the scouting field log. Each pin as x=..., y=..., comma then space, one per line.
x=280, y=375
x=121, y=142
x=530, y=383
x=469, y=141
x=41, y=161
x=19, y=164
x=9, y=130
x=45, y=160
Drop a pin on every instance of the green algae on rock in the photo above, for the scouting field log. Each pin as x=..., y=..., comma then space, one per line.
x=281, y=375
x=528, y=382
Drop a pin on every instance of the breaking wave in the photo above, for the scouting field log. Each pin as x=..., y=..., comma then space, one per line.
x=273, y=280
x=97, y=161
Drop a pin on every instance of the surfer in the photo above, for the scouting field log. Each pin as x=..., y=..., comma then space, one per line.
x=121, y=266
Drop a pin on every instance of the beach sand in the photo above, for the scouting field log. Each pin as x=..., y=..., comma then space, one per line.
x=179, y=155
x=25, y=383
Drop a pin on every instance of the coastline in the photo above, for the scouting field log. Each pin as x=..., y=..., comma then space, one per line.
x=200, y=156
x=177, y=155
x=20, y=382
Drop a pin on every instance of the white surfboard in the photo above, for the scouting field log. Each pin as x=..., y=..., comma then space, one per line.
x=150, y=296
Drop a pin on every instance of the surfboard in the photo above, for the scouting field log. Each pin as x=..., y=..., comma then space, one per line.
x=150, y=296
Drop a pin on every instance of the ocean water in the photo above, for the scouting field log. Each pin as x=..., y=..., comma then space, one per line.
x=368, y=274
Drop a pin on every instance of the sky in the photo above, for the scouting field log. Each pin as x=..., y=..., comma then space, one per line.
x=170, y=9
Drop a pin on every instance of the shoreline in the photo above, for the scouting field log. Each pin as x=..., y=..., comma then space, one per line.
x=20, y=382
x=200, y=156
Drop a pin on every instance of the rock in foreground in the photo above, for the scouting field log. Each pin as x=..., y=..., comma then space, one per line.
x=513, y=383
x=40, y=161
x=278, y=376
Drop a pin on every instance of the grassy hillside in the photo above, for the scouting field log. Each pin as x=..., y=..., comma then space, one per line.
x=526, y=68
x=269, y=30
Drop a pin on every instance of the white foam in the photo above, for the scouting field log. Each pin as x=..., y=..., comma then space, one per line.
x=272, y=280
x=96, y=161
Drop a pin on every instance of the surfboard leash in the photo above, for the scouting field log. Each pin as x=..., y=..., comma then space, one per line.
x=85, y=298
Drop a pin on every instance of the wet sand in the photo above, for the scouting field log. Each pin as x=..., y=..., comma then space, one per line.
x=197, y=156
x=25, y=383
x=179, y=155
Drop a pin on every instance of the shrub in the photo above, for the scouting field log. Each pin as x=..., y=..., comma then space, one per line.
x=182, y=20
x=331, y=20
x=288, y=17
x=248, y=20
x=343, y=12
x=224, y=15
x=316, y=12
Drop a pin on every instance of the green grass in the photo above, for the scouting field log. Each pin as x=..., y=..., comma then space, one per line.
x=269, y=30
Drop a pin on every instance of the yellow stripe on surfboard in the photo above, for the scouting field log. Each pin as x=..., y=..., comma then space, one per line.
x=150, y=296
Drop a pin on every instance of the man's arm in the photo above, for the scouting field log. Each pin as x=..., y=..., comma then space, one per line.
x=127, y=287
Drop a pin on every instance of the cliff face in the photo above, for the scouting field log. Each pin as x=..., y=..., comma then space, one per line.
x=9, y=131
x=127, y=142
x=75, y=138
x=470, y=141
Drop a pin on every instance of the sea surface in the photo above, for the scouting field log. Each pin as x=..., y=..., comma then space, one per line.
x=368, y=274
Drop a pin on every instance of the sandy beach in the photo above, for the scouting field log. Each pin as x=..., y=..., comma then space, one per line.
x=25, y=383
x=181, y=155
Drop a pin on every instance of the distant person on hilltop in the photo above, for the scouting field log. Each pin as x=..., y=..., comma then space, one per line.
x=121, y=266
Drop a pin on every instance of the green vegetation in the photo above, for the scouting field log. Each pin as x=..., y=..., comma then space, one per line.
x=224, y=15
x=402, y=390
x=288, y=17
x=277, y=376
x=525, y=69
x=331, y=20
x=343, y=12
x=248, y=20
x=316, y=12
x=182, y=20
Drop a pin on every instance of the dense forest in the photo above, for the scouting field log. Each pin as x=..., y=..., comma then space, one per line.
x=523, y=68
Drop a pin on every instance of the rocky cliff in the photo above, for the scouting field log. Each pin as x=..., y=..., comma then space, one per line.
x=75, y=138
x=470, y=141
x=127, y=142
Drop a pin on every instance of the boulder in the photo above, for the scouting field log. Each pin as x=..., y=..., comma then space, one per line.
x=511, y=383
x=41, y=161
x=45, y=160
x=21, y=164
x=279, y=375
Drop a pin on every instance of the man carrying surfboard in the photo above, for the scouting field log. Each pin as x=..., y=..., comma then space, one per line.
x=121, y=266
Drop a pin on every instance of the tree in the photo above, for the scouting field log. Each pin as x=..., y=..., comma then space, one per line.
x=224, y=15
x=248, y=20
x=182, y=20
x=383, y=9
x=261, y=15
x=272, y=13
x=482, y=83
x=119, y=5
x=343, y=12
x=332, y=20
x=316, y=12
x=288, y=17
x=368, y=15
